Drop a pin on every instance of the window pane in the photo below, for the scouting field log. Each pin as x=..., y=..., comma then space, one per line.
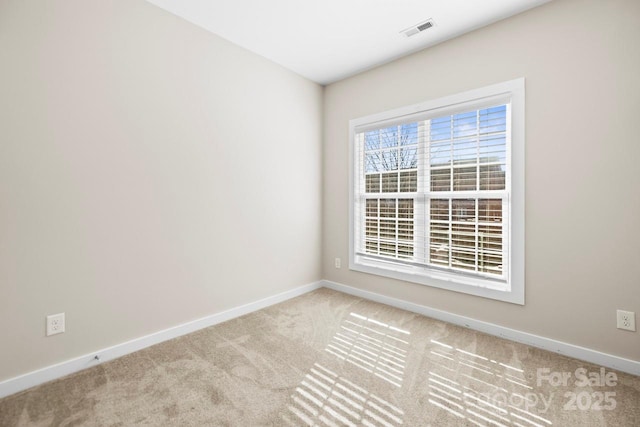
x=488, y=263
x=408, y=158
x=464, y=179
x=372, y=207
x=463, y=236
x=465, y=124
x=490, y=249
x=390, y=182
x=372, y=162
x=405, y=208
x=493, y=119
x=440, y=154
x=409, y=134
x=390, y=160
x=388, y=208
x=465, y=260
x=489, y=238
x=465, y=151
x=493, y=148
x=439, y=210
x=492, y=177
x=466, y=242
x=464, y=210
x=490, y=210
x=439, y=257
x=388, y=229
x=389, y=137
x=387, y=249
x=372, y=183
x=409, y=181
x=463, y=244
x=372, y=140
x=440, y=180
x=405, y=251
x=405, y=230
x=439, y=244
x=372, y=228
x=440, y=129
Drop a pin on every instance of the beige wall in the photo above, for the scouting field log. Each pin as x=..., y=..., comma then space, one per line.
x=147, y=169
x=582, y=67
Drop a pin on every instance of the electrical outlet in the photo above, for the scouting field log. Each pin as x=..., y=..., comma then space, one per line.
x=338, y=263
x=55, y=324
x=626, y=320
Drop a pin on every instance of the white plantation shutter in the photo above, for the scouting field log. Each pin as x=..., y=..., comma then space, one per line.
x=431, y=191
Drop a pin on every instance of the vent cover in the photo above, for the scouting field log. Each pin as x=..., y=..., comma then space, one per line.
x=418, y=28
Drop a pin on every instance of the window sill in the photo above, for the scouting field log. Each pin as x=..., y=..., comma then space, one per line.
x=486, y=288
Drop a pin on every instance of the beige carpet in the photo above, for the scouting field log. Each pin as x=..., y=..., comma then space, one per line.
x=330, y=359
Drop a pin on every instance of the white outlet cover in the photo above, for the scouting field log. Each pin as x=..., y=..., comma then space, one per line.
x=55, y=324
x=626, y=320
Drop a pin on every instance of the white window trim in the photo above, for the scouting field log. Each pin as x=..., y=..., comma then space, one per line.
x=515, y=90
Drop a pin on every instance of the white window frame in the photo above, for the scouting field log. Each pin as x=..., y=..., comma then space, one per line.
x=512, y=289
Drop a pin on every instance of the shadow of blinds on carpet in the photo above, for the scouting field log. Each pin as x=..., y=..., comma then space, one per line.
x=371, y=345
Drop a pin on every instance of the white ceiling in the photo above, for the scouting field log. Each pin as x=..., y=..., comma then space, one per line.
x=327, y=40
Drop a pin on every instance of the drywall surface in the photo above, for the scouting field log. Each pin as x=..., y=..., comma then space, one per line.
x=151, y=173
x=581, y=63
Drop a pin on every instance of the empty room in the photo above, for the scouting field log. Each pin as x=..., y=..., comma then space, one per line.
x=329, y=213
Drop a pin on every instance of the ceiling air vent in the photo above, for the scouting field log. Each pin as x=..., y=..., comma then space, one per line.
x=418, y=28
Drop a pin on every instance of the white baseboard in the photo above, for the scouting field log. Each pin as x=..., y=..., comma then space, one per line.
x=31, y=379
x=577, y=352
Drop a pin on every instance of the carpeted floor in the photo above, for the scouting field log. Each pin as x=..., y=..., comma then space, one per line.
x=330, y=359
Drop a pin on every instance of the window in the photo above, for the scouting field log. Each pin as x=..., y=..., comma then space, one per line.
x=437, y=194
